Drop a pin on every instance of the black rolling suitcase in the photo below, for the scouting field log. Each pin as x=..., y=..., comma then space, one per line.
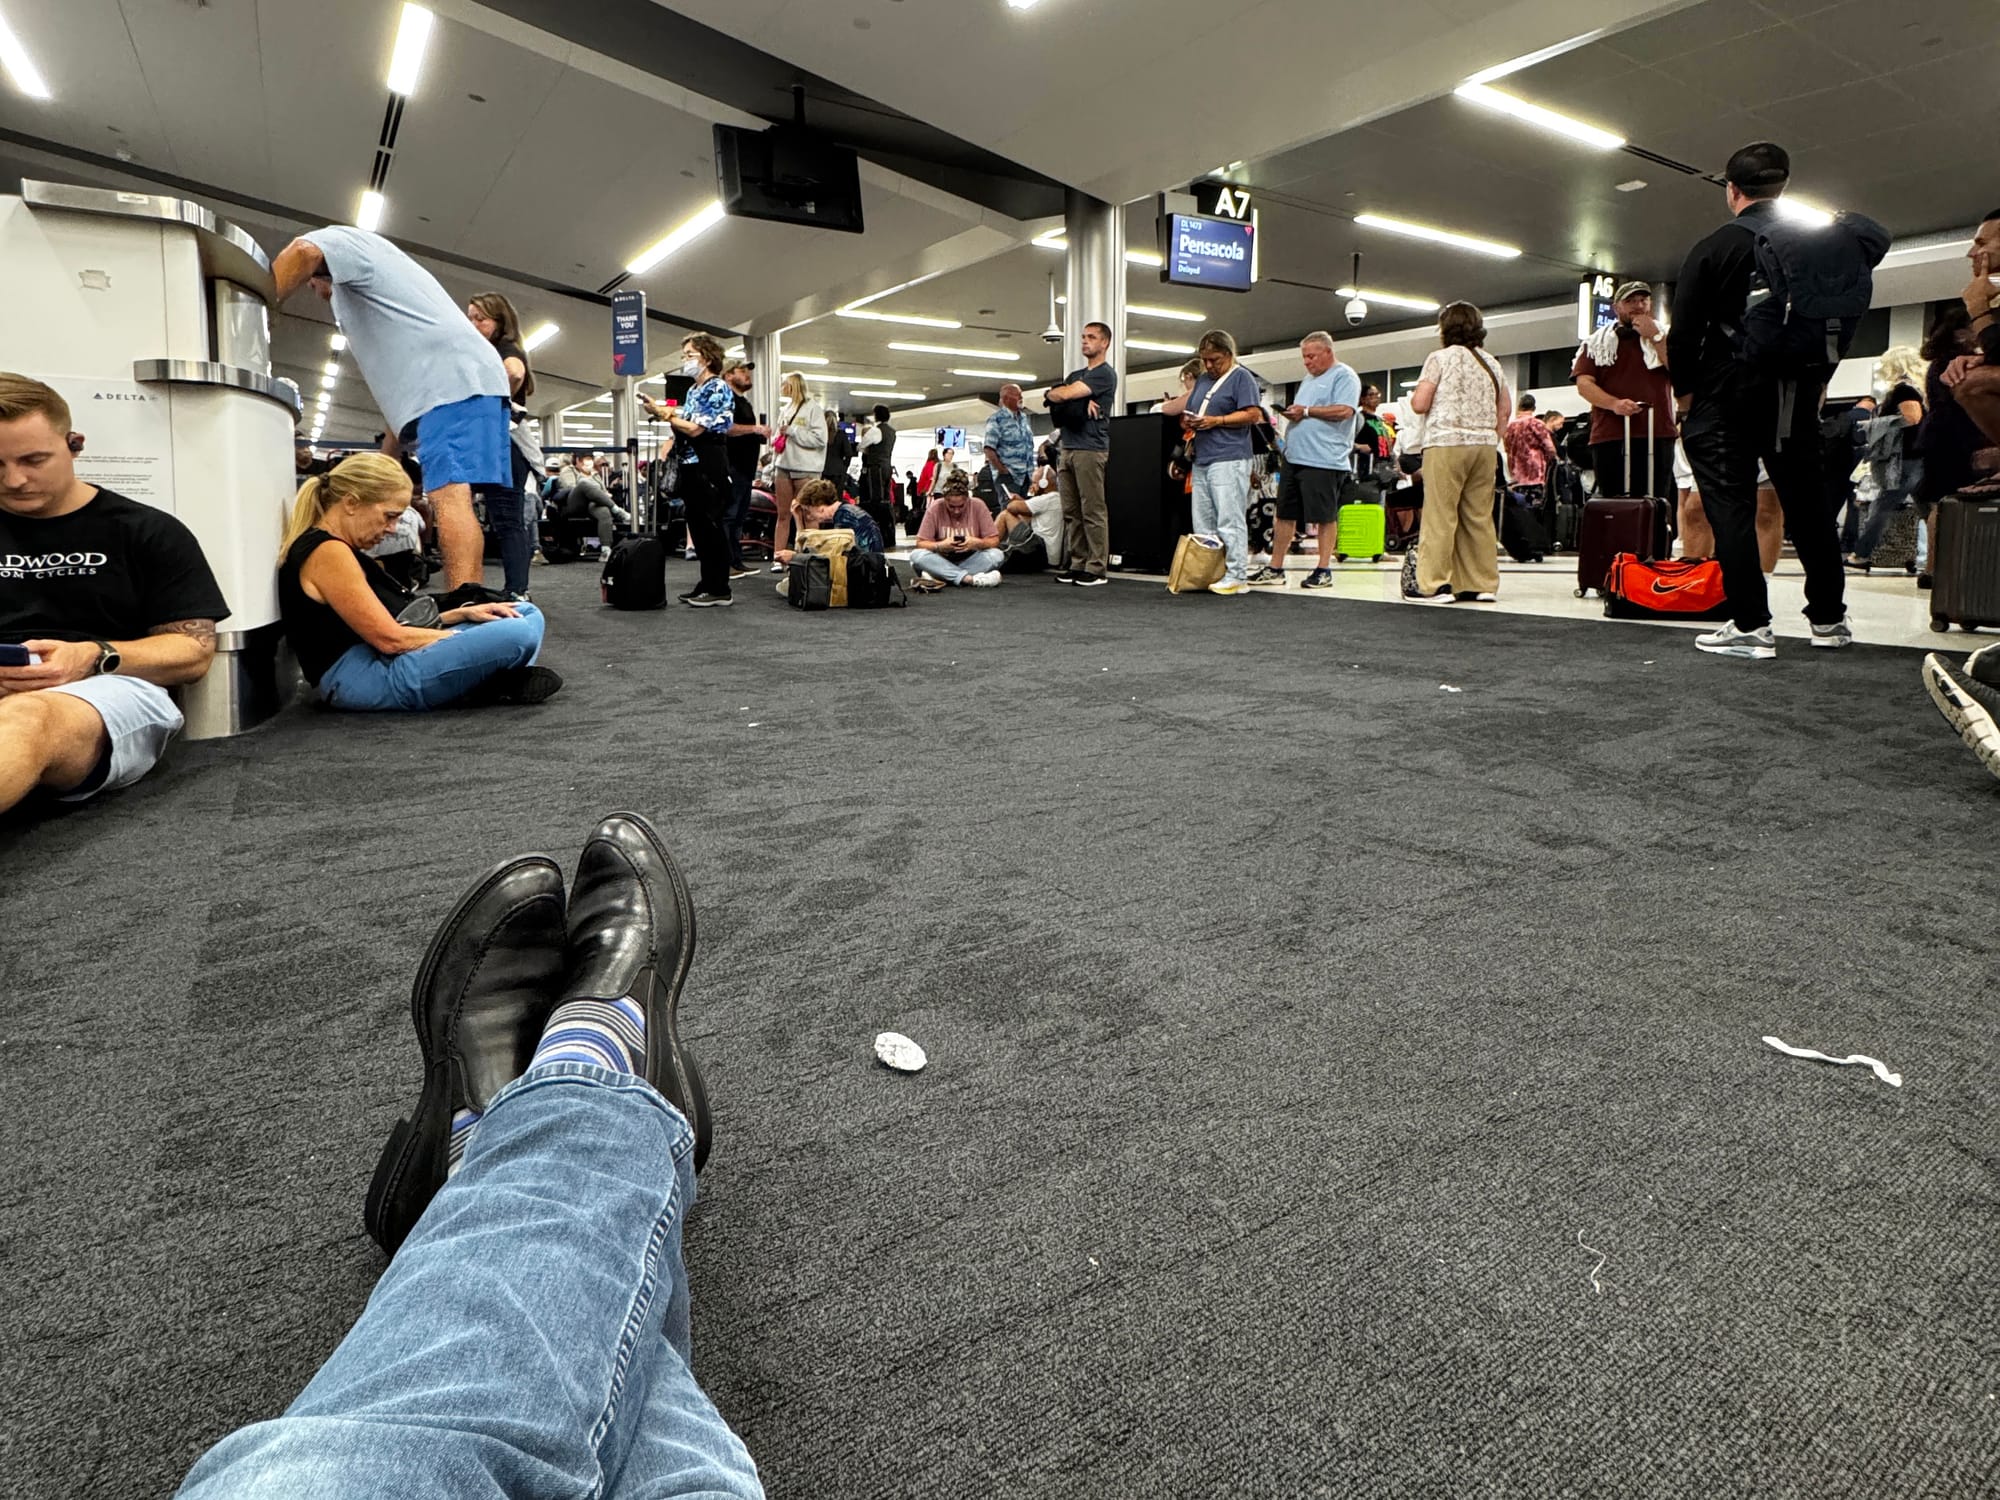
x=1965, y=564
x=635, y=574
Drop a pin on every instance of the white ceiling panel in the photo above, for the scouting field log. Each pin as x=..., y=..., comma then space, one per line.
x=101, y=102
x=199, y=61
x=1124, y=97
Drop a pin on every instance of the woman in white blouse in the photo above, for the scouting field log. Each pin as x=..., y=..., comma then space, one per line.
x=802, y=426
x=1464, y=397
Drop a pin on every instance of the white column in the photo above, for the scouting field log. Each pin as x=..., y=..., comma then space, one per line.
x=1096, y=235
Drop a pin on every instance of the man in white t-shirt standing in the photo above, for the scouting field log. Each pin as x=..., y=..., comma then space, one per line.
x=435, y=376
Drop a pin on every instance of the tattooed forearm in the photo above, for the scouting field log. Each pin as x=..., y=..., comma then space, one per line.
x=202, y=632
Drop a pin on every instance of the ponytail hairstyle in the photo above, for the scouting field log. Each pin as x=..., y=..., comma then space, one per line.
x=507, y=325
x=368, y=477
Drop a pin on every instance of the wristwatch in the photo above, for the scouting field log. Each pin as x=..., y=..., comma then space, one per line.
x=108, y=659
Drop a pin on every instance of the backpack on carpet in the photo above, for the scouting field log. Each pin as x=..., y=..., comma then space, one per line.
x=635, y=574
x=1024, y=551
x=1638, y=590
x=847, y=580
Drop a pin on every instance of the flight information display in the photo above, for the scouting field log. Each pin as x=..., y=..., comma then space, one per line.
x=1219, y=254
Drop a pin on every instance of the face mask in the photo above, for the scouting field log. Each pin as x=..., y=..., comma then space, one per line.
x=690, y=367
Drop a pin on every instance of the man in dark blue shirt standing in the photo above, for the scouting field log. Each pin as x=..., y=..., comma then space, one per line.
x=1082, y=408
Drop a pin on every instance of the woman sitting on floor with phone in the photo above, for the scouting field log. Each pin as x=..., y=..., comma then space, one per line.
x=364, y=642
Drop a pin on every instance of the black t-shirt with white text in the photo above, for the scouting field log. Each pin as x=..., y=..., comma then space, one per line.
x=113, y=570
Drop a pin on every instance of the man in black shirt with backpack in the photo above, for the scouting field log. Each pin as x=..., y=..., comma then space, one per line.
x=1764, y=309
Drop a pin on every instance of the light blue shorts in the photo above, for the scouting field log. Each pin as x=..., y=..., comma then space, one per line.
x=140, y=718
x=466, y=442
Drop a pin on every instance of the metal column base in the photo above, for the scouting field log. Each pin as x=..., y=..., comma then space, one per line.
x=252, y=677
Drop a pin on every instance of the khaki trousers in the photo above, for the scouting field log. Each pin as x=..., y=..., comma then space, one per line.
x=1459, y=547
x=1086, y=521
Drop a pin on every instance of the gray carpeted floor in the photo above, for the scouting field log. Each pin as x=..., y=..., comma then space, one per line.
x=1289, y=1019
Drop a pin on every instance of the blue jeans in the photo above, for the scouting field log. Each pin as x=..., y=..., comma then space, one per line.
x=532, y=1335
x=1885, y=505
x=937, y=565
x=507, y=515
x=363, y=680
x=1221, y=500
x=744, y=489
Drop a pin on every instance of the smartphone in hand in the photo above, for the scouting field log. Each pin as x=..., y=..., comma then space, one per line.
x=18, y=656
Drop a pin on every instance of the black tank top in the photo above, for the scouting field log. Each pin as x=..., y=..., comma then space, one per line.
x=318, y=635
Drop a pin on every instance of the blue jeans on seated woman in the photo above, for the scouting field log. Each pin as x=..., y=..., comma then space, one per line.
x=532, y=1335
x=366, y=681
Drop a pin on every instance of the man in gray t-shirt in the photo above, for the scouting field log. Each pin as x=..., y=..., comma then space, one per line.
x=435, y=376
x=1082, y=409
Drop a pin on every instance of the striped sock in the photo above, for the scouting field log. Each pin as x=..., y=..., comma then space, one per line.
x=462, y=1122
x=609, y=1033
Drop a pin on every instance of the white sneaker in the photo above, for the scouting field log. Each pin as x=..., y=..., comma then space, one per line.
x=1833, y=637
x=1230, y=586
x=1755, y=645
x=989, y=580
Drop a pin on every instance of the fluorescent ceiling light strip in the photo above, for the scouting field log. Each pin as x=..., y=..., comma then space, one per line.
x=1438, y=236
x=368, y=215
x=413, y=34
x=332, y=367
x=1147, y=310
x=1054, y=240
x=1528, y=60
x=660, y=249
x=328, y=382
x=853, y=380
x=540, y=336
x=901, y=395
x=21, y=67
x=1015, y=376
x=338, y=342
x=999, y=354
x=806, y=359
x=912, y=319
x=1388, y=299
x=1535, y=114
x=1159, y=348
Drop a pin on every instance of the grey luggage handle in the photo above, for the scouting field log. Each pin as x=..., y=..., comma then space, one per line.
x=1649, y=452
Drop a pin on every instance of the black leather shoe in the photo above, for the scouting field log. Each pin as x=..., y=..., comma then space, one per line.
x=631, y=934
x=480, y=1003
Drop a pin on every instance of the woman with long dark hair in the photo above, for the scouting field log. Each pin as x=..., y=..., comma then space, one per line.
x=507, y=508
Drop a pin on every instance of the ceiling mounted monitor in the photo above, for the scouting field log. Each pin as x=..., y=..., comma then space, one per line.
x=1219, y=254
x=788, y=175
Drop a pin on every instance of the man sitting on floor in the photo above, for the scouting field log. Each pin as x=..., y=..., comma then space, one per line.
x=957, y=544
x=107, y=602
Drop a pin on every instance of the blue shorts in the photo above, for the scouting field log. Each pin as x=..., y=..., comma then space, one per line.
x=139, y=718
x=466, y=442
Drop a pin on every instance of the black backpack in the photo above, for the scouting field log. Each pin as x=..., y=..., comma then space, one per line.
x=1810, y=288
x=635, y=574
x=866, y=581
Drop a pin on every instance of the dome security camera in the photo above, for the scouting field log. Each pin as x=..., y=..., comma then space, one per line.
x=1357, y=311
x=1052, y=334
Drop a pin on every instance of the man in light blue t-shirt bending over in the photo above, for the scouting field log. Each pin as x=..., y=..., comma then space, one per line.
x=1319, y=460
x=435, y=376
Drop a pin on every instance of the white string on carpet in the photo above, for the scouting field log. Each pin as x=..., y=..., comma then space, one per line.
x=1894, y=1080
x=1595, y=1285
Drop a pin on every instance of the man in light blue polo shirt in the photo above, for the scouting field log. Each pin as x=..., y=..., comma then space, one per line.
x=1010, y=448
x=1319, y=460
x=435, y=376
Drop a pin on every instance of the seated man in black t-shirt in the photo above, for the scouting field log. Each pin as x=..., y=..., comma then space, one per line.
x=104, y=604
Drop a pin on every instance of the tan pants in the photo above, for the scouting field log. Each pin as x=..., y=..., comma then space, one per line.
x=1458, y=547
x=1086, y=522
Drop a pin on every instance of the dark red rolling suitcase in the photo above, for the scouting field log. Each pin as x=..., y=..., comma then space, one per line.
x=1610, y=527
x=1965, y=564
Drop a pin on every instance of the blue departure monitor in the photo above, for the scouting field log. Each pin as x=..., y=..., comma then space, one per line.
x=1219, y=254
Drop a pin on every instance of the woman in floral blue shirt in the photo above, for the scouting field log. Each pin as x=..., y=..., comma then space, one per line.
x=704, y=468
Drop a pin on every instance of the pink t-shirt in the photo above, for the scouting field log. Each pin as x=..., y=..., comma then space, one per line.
x=975, y=521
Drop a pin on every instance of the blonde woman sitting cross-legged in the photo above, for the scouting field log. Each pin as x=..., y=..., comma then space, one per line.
x=350, y=624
